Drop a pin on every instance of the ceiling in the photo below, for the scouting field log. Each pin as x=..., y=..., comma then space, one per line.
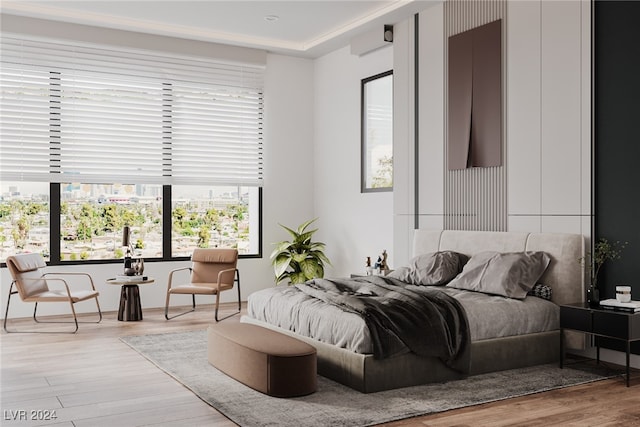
x=307, y=28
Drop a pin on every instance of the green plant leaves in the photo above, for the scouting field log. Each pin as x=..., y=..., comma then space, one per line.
x=603, y=251
x=280, y=247
x=300, y=259
x=297, y=277
x=281, y=263
x=311, y=268
x=303, y=226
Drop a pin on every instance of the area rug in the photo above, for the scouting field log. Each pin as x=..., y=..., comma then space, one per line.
x=184, y=357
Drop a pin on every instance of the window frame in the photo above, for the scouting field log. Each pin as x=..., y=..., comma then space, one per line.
x=364, y=132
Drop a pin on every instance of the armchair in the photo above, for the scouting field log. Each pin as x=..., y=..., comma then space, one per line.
x=212, y=271
x=32, y=285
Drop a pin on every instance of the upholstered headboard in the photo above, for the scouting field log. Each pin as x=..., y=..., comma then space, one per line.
x=565, y=273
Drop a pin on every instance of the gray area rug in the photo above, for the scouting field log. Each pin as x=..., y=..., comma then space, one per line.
x=184, y=357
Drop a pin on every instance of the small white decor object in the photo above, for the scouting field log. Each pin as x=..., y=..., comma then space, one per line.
x=623, y=293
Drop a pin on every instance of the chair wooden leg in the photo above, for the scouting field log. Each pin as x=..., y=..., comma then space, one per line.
x=166, y=307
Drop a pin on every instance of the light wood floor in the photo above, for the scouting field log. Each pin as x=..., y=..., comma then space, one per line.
x=93, y=379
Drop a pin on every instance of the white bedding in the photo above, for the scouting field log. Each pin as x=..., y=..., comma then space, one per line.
x=488, y=316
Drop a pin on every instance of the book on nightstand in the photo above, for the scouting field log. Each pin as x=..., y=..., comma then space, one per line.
x=627, y=307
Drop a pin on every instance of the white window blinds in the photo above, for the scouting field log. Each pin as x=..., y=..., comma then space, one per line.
x=95, y=115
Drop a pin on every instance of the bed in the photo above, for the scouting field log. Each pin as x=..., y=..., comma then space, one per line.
x=510, y=339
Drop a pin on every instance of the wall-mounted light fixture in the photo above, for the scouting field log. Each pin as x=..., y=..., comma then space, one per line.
x=388, y=33
x=372, y=40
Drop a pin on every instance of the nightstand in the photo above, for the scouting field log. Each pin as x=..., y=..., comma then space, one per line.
x=600, y=322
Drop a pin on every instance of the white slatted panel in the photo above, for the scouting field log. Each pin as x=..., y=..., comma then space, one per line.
x=475, y=198
x=95, y=115
x=23, y=133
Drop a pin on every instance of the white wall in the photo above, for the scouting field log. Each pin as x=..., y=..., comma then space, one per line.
x=354, y=225
x=288, y=175
x=404, y=95
x=547, y=115
x=287, y=197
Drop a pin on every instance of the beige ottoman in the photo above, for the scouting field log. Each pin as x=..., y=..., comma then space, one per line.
x=265, y=360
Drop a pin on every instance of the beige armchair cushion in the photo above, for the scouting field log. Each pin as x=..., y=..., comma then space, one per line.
x=60, y=296
x=28, y=262
x=207, y=265
x=27, y=270
x=200, y=288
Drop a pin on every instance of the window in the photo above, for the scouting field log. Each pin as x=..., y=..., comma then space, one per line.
x=24, y=218
x=92, y=217
x=114, y=138
x=207, y=217
x=377, y=133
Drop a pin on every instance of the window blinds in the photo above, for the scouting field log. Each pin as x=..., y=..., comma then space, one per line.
x=96, y=115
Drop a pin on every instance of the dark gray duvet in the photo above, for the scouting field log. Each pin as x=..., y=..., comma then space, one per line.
x=401, y=316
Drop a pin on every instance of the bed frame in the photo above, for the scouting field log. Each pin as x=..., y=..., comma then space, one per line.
x=565, y=275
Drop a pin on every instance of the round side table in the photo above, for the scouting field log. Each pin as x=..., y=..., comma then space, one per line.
x=130, y=306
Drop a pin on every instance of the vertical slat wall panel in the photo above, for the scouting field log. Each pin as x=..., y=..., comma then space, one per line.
x=475, y=198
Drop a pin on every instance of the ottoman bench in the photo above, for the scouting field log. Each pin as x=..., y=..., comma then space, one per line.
x=265, y=360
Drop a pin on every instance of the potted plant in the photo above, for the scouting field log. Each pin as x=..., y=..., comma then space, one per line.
x=299, y=259
x=603, y=251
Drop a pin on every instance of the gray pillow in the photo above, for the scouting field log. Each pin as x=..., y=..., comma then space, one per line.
x=511, y=274
x=436, y=268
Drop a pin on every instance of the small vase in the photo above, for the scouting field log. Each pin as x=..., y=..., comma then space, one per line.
x=593, y=296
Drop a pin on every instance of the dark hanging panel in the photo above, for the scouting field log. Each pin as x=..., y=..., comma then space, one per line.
x=475, y=97
x=486, y=112
x=460, y=99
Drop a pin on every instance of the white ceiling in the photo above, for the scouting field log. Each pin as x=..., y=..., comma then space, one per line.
x=307, y=28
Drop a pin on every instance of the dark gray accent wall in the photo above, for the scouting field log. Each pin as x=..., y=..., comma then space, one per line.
x=616, y=56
